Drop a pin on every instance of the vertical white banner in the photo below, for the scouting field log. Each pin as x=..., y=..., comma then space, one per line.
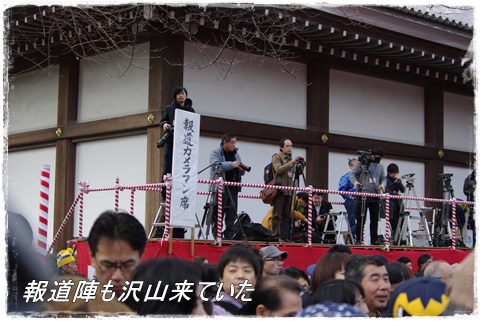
x=186, y=137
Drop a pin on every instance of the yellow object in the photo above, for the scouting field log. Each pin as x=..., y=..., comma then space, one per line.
x=267, y=219
x=65, y=257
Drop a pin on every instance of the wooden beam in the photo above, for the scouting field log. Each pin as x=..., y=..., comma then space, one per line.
x=163, y=77
x=68, y=85
x=434, y=114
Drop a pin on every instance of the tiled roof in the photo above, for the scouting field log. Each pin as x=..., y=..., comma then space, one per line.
x=440, y=19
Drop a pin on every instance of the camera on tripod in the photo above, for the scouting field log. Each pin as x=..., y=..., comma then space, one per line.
x=447, y=178
x=409, y=178
x=300, y=160
x=162, y=141
x=245, y=167
x=365, y=157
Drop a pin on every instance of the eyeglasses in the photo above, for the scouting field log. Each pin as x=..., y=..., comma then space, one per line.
x=275, y=259
x=108, y=267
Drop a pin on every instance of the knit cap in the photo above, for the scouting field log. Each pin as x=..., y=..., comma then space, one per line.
x=65, y=257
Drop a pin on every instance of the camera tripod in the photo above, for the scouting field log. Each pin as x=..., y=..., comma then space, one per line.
x=442, y=227
x=211, y=206
x=404, y=231
x=295, y=183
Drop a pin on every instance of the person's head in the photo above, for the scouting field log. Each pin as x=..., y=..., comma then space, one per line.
x=341, y=291
x=407, y=272
x=237, y=264
x=317, y=198
x=420, y=296
x=422, y=259
x=275, y=296
x=180, y=95
x=286, y=146
x=302, y=199
x=392, y=169
x=330, y=266
x=339, y=248
x=377, y=154
x=406, y=260
x=352, y=162
x=117, y=241
x=299, y=275
x=371, y=273
x=395, y=274
x=66, y=262
x=228, y=142
x=200, y=260
x=273, y=260
x=440, y=270
x=167, y=273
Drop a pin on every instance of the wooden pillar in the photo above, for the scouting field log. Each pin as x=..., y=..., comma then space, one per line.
x=434, y=129
x=318, y=77
x=65, y=184
x=163, y=77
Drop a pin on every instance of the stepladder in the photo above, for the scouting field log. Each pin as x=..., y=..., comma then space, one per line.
x=337, y=224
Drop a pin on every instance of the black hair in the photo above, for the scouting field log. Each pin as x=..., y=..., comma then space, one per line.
x=404, y=259
x=243, y=252
x=303, y=196
x=295, y=273
x=395, y=272
x=339, y=248
x=422, y=259
x=170, y=272
x=269, y=292
x=178, y=90
x=282, y=142
x=355, y=267
x=117, y=226
x=318, y=193
x=338, y=291
x=392, y=168
x=227, y=137
x=377, y=151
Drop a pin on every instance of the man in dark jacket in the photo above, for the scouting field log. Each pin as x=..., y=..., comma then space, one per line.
x=394, y=187
x=180, y=101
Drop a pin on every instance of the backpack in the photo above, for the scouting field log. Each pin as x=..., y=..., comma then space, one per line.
x=268, y=171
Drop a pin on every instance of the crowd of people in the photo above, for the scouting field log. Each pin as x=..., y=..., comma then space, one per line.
x=247, y=280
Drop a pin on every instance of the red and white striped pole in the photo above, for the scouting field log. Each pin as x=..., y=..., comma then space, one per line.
x=168, y=198
x=454, y=224
x=387, y=221
x=43, y=215
x=310, y=216
x=132, y=201
x=219, y=211
x=117, y=193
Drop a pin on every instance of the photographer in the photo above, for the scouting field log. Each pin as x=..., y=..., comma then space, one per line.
x=283, y=172
x=372, y=180
x=230, y=162
x=394, y=187
x=321, y=208
x=180, y=101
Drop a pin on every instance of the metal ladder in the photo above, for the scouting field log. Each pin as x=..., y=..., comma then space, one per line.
x=337, y=228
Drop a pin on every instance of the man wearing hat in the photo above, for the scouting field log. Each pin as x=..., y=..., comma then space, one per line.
x=368, y=176
x=66, y=262
x=273, y=260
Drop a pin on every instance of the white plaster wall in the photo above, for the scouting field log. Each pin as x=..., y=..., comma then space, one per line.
x=376, y=108
x=99, y=163
x=256, y=155
x=22, y=194
x=111, y=85
x=256, y=88
x=32, y=101
x=459, y=116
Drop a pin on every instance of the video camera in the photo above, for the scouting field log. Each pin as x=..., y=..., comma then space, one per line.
x=162, y=141
x=409, y=178
x=365, y=157
x=300, y=160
